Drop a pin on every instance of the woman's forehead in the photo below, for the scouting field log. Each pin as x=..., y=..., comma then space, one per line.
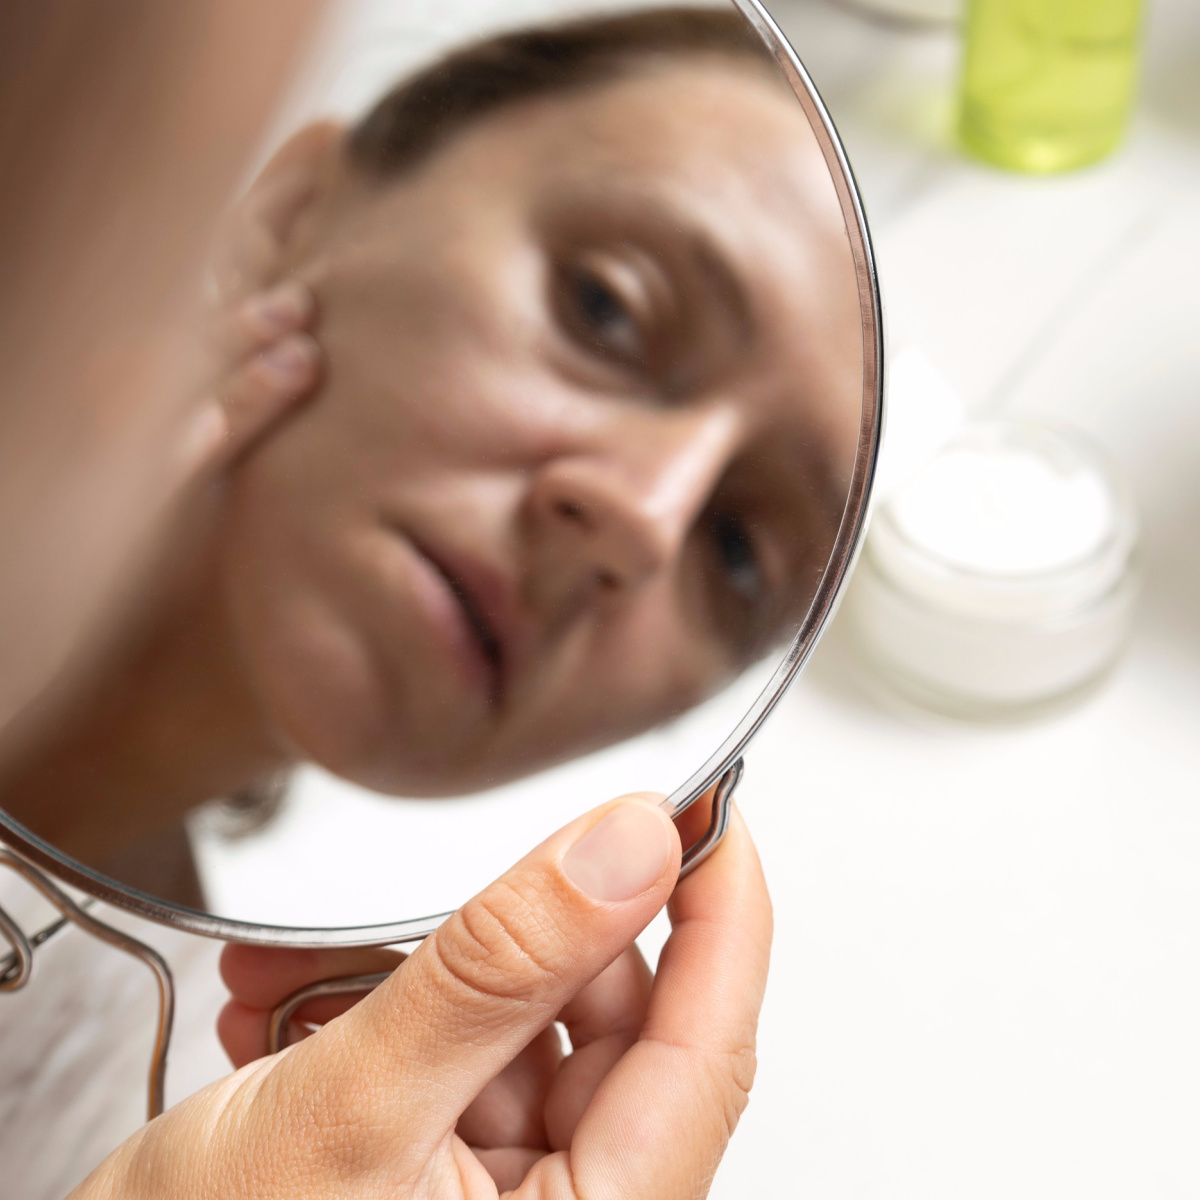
x=706, y=115
x=712, y=149
x=712, y=116
x=721, y=139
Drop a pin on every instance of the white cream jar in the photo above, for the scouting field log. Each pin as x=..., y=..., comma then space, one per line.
x=999, y=580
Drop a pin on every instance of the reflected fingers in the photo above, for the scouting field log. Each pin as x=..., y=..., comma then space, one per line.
x=264, y=387
x=261, y=319
x=265, y=361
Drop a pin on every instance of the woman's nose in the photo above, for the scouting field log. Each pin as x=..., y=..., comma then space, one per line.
x=616, y=513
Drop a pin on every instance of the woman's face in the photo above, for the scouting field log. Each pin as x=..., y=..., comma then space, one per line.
x=594, y=374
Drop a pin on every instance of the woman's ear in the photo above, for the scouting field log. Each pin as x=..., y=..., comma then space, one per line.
x=255, y=238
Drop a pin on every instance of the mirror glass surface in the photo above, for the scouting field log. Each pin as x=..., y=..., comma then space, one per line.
x=593, y=336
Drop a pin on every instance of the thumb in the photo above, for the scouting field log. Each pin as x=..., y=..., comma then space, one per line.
x=422, y=1046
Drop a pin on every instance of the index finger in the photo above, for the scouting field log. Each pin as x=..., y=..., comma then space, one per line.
x=661, y=1119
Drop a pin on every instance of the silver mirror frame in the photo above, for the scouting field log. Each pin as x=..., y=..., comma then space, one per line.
x=725, y=761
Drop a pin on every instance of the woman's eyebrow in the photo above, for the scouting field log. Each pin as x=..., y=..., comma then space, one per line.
x=712, y=266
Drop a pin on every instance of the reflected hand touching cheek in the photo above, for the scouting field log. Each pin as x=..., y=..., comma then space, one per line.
x=591, y=402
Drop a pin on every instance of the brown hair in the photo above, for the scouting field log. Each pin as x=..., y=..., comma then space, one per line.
x=423, y=112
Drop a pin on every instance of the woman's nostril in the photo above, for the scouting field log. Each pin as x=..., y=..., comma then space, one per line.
x=569, y=511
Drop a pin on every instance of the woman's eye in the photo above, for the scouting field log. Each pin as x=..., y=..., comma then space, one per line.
x=604, y=318
x=736, y=556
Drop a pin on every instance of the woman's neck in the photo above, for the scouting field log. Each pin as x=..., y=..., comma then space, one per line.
x=167, y=721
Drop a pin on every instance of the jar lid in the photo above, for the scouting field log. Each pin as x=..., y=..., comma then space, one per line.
x=1010, y=520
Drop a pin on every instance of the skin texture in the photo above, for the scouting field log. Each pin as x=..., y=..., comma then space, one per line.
x=447, y=1081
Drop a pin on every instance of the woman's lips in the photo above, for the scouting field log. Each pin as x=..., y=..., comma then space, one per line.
x=467, y=604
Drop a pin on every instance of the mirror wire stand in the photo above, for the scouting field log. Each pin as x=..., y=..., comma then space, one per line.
x=16, y=968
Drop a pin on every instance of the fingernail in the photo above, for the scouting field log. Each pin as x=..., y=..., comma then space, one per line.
x=285, y=307
x=290, y=360
x=622, y=856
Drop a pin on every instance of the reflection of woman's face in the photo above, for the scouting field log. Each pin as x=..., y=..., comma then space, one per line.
x=594, y=370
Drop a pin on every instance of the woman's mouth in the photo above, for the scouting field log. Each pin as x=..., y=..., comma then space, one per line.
x=488, y=641
x=469, y=613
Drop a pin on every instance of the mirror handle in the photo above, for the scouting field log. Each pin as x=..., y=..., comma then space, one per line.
x=696, y=853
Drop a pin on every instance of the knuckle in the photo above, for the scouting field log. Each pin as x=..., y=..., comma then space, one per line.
x=501, y=947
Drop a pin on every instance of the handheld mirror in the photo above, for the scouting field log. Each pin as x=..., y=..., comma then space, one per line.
x=577, y=492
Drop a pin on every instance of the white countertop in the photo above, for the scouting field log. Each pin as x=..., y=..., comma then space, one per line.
x=987, y=963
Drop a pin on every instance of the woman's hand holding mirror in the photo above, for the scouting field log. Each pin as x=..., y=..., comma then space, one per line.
x=449, y=1079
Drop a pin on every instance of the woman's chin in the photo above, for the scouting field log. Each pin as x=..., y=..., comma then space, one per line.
x=426, y=760
x=382, y=746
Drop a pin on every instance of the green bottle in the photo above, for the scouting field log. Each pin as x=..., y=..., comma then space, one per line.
x=1047, y=84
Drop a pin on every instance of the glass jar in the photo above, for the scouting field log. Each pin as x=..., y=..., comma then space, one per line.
x=1000, y=581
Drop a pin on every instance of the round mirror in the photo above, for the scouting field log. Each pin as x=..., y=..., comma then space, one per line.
x=576, y=492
